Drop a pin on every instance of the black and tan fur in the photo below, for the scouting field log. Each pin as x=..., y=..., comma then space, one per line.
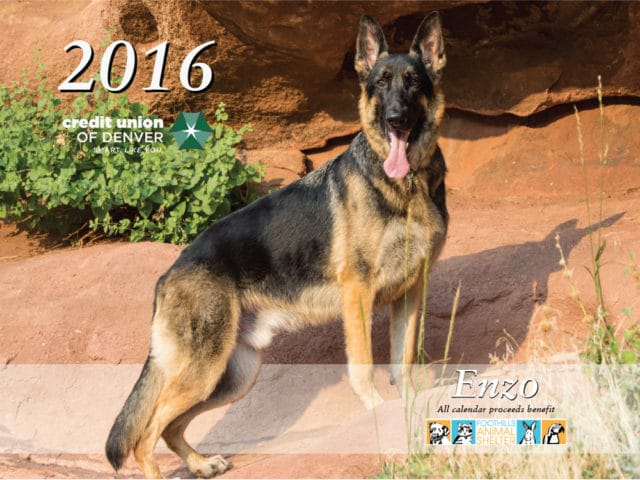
x=333, y=244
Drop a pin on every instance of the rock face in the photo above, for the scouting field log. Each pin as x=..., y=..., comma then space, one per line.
x=287, y=67
x=541, y=157
x=281, y=166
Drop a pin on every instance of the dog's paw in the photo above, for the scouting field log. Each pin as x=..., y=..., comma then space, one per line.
x=209, y=467
x=372, y=400
x=395, y=374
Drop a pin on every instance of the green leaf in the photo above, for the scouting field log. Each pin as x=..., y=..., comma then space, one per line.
x=628, y=357
x=137, y=235
x=178, y=210
x=615, y=347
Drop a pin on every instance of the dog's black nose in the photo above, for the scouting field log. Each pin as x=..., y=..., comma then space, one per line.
x=396, y=118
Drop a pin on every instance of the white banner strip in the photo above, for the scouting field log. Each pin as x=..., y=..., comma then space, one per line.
x=312, y=409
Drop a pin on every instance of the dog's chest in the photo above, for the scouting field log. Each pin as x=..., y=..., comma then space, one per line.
x=405, y=244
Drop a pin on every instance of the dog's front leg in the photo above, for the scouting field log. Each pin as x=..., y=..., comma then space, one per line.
x=357, y=302
x=403, y=326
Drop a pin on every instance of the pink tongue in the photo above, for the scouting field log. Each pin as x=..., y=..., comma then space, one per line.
x=396, y=165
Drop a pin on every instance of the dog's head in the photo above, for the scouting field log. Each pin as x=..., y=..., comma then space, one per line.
x=401, y=103
x=437, y=432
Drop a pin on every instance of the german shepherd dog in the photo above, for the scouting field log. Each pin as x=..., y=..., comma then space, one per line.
x=354, y=234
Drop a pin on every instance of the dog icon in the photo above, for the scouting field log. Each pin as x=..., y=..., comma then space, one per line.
x=465, y=434
x=438, y=434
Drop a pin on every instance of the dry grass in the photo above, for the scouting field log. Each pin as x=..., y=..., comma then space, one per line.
x=601, y=400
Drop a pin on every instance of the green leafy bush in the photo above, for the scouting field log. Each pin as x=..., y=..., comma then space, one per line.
x=49, y=181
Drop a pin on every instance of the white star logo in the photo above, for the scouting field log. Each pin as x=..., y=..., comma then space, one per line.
x=191, y=130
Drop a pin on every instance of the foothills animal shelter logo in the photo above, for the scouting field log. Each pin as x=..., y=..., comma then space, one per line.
x=496, y=432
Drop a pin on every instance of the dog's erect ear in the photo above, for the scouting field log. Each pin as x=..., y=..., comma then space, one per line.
x=533, y=425
x=428, y=45
x=369, y=46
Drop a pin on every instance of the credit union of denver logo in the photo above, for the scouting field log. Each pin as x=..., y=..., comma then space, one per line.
x=496, y=432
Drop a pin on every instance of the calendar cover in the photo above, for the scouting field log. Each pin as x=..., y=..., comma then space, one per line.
x=320, y=239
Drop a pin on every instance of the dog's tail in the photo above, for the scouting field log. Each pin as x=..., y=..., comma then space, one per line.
x=135, y=414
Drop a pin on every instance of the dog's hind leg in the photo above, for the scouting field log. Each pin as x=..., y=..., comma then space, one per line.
x=176, y=398
x=403, y=326
x=193, y=336
x=237, y=380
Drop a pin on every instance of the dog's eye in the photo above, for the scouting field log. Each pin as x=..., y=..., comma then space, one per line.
x=381, y=83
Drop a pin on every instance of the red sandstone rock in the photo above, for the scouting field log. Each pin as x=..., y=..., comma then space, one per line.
x=287, y=67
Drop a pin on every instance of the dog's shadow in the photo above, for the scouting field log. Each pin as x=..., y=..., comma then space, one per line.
x=501, y=288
